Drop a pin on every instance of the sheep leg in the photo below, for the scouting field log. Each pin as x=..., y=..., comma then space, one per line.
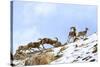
x=84, y=37
x=43, y=46
x=39, y=49
x=71, y=39
x=30, y=50
x=68, y=40
x=74, y=39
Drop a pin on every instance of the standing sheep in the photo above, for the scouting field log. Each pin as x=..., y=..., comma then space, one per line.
x=82, y=34
x=72, y=34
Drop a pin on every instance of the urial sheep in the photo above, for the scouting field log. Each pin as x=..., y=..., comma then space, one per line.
x=72, y=34
x=82, y=34
x=30, y=46
x=52, y=42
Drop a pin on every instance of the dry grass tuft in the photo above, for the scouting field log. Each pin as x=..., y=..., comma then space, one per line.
x=43, y=58
x=20, y=56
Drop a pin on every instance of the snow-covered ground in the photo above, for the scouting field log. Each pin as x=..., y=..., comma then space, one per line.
x=79, y=51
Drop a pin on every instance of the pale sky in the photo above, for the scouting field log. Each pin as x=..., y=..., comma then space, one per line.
x=33, y=20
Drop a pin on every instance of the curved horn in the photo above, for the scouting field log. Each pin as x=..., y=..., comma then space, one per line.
x=39, y=39
x=56, y=38
x=86, y=28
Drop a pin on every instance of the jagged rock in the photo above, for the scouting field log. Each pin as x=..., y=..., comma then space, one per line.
x=85, y=38
x=94, y=49
x=87, y=58
x=38, y=59
x=74, y=60
x=20, y=56
x=78, y=57
x=92, y=60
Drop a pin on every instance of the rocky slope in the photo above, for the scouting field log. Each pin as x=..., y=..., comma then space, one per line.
x=77, y=52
